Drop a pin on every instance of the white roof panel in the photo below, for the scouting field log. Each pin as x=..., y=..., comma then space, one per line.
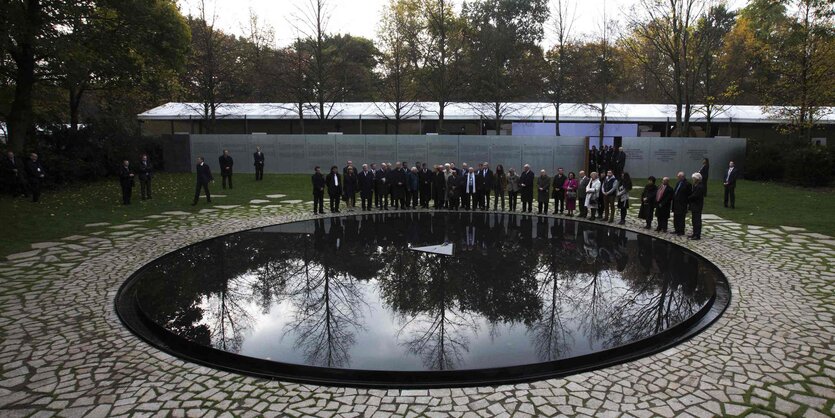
x=615, y=112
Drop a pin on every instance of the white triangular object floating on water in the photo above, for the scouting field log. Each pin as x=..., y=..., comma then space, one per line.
x=442, y=249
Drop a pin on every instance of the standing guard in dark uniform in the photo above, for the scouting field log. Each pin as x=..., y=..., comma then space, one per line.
x=226, y=164
x=145, y=174
x=126, y=181
x=204, y=176
x=258, y=157
x=35, y=174
x=318, y=181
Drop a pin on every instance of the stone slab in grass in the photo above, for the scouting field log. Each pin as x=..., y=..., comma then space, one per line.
x=710, y=217
x=276, y=196
x=42, y=245
x=258, y=201
x=226, y=206
x=97, y=224
x=122, y=233
x=23, y=255
x=218, y=195
x=156, y=217
x=207, y=210
x=122, y=226
x=830, y=242
x=176, y=213
x=815, y=235
x=792, y=229
x=291, y=202
x=73, y=238
x=271, y=206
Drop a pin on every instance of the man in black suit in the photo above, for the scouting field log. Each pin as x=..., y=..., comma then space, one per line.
x=681, y=193
x=204, y=176
x=258, y=157
x=425, y=179
x=730, y=185
x=593, y=159
x=366, y=183
x=226, y=164
x=334, y=181
x=439, y=186
x=145, y=174
x=663, y=204
x=489, y=184
x=396, y=179
x=696, y=200
x=620, y=162
x=126, y=181
x=526, y=180
x=13, y=174
x=381, y=187
x=480, y=186
x=372, y=168
x=558, y=191
x=318, y=181
x=35, y=174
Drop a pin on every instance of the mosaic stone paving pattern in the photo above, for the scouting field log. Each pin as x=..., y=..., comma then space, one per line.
x=65, y=353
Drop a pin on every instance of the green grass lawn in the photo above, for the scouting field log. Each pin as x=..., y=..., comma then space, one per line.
x=66, y=212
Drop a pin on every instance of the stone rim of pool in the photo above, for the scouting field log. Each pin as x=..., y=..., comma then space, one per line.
x=131, y=314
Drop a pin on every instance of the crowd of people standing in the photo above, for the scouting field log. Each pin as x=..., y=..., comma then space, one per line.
x=599, y=194
x=593, y=196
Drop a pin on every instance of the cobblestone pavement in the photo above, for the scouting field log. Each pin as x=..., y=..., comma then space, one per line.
x=64, y=351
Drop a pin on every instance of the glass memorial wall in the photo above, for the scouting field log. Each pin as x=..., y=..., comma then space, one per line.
x=658, y=156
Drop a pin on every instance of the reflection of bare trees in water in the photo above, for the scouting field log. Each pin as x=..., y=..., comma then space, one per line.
x=434, y=325
x=662, y=298
x=225, y=312
x=328, y=309
x=552, y=337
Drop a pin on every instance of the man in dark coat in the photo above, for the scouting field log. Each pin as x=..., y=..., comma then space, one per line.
x=397, y=181
x=663, y=204
x=258, y=157
x=489, y=184
x=334, y=182
x=204, y=176
x=381, y=187
x=366, y=183
x=696, y=202
x=425, y=177
x=226, y=164
x=145, y=174
x=35, y=174
x=593, y=158
x=480, y=188
x=681, y=193
x=13, y=174
x=620, y=161
x=730, y=185
x=526, y=185
x=318, y=182
x=559, y=191
x=126, y=181
x=439, y=187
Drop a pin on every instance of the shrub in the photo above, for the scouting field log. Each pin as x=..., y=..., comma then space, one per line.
x=812, y=166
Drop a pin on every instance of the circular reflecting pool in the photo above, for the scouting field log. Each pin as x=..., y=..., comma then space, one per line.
x=422, y=299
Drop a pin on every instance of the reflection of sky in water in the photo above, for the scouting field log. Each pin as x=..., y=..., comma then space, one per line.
x=422, y=312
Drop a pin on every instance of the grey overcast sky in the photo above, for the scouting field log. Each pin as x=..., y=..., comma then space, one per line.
x=360, y=17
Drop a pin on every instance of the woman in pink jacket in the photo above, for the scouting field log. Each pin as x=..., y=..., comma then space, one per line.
x=570, y=187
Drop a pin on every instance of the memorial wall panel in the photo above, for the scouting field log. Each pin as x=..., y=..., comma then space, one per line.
x=300, y=153
x=290, y=157
x=411, y=149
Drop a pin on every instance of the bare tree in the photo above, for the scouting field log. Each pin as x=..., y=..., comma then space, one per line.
x=210, y=69
x=667, y=28
x=398, y=32
x=311, y=21
x=557, y=59
x=443, y=54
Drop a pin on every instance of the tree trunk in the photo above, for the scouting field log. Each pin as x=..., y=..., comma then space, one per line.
x=20, y=118
x=75, y=103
